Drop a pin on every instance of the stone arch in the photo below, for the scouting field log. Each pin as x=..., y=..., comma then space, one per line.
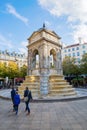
x=35, y=59
x=52, y=58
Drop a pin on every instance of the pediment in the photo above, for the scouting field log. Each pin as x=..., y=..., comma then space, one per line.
x=34, y=37
x=43, y=33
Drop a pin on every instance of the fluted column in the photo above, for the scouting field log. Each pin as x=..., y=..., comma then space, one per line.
x=43, y=70
x=59, y=63
x=29, y=62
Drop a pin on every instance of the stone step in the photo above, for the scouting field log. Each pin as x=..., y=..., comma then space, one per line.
x=62, y=90
x=29, y=80
x=29, y=83
x=60, y=86
x=55, y=76
x=33, y=77
x=30, y=86
x=58, y=83
x=57, y=80
x=63, y=94
x=33, y=91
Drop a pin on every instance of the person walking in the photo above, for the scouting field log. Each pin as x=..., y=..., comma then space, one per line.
x=16, y=102
x=27, y=98
x=13, y=92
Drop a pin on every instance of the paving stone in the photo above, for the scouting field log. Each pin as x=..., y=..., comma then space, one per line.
x=70, y=115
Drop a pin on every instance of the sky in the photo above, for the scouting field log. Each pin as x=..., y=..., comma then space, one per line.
x=20, y=18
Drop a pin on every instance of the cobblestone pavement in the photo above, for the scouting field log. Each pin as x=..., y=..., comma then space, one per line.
x=71, y=115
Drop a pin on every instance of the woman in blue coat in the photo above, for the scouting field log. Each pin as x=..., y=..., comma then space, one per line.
x=16, y=102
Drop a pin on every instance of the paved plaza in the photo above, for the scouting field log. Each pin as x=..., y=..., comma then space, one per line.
x=81, y=93
x=68, y=115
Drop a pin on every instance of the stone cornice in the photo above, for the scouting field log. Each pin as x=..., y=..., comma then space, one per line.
x=44, y=30
x=46, y=39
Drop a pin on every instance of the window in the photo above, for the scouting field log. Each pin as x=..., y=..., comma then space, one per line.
x=68, y=50
x=78, y=54
x=69, y=54
x=65, y=50
x=84, y=52
x=3, y=52
x=73, y=49
x=83, y=46
x=73, y=54
x=11, y=54
x=77, y=48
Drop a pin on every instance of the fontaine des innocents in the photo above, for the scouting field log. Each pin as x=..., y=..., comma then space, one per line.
x=44, y=74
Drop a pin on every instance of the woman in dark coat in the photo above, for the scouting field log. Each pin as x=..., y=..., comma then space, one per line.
x=13, y=92
x=28, y=97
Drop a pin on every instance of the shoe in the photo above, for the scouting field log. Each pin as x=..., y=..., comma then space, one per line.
x=28, y=113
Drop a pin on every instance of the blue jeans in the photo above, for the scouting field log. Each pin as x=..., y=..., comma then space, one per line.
x=27, y=107
x=16, y=108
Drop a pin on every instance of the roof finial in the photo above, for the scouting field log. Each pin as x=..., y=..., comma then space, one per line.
x=43, y=25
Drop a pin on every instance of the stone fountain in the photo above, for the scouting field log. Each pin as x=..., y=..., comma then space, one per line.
x=44, y=75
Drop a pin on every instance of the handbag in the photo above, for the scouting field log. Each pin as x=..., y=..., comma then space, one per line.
x=26, y=99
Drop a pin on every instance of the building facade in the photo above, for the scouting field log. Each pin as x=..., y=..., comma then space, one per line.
x=75, y=50
x=19, y=59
